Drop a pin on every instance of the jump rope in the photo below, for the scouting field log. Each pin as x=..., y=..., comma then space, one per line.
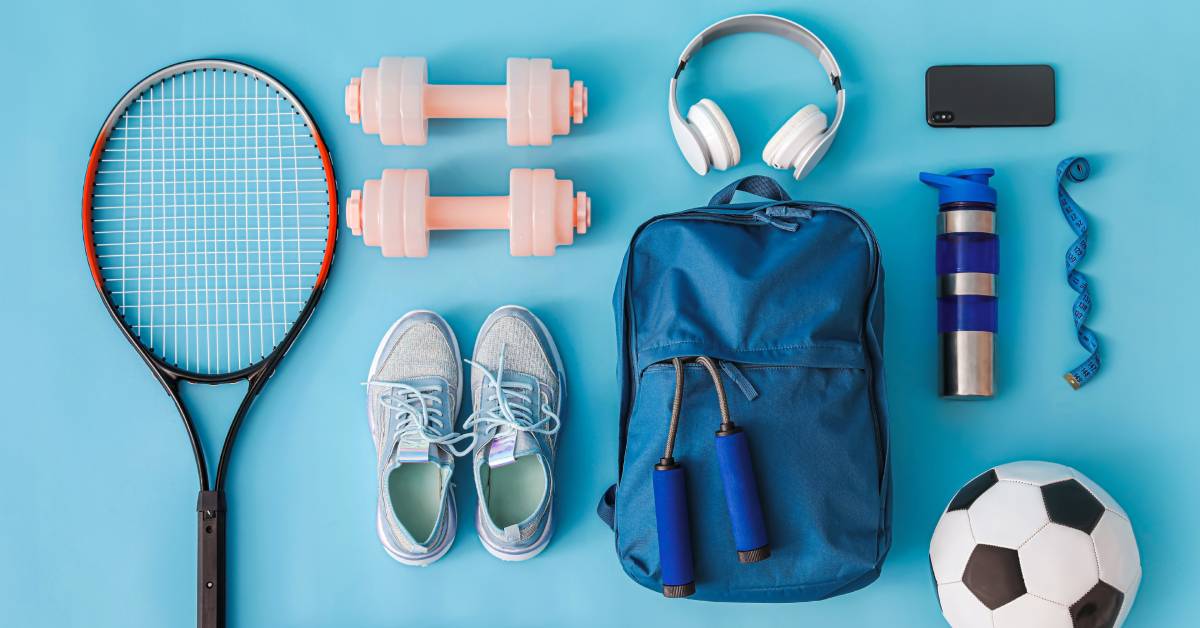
x=670, y=493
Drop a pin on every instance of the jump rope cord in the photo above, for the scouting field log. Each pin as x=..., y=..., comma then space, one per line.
x=713, y=372
x=1077, y=169
x=677, y=402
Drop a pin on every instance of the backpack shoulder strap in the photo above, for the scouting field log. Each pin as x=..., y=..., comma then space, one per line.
x=606, y=509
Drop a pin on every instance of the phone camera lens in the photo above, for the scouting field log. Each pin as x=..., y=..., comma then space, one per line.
x=943, y=117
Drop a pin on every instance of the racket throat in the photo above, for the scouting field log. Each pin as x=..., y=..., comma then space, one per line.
x=210, y=545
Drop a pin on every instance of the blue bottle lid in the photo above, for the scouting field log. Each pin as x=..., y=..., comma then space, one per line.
x=962, y=186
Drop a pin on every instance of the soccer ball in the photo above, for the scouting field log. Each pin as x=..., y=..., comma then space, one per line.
x=1034, y=545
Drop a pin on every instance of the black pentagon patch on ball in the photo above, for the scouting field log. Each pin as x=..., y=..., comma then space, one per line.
x=971, y=492
x=1069, y=503
x=993, y=574
x=1098, y=608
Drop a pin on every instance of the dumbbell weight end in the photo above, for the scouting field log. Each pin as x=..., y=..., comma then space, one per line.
x=543, y=212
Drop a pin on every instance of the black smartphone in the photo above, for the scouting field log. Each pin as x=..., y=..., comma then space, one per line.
x=989, y=95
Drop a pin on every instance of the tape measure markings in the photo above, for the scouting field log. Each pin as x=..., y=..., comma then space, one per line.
x=1077, y=169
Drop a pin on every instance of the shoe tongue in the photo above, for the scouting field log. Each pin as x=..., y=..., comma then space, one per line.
x=432, y=453
x=440, y=456
x=505, y=448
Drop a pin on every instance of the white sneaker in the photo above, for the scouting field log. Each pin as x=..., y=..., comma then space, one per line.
x=517, y=385
x=414, y=391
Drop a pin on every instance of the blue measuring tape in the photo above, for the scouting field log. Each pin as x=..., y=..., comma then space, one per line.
x=1078, y=169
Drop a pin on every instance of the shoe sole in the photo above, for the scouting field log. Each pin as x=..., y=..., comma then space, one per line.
x=452, y=515
x=544, y=540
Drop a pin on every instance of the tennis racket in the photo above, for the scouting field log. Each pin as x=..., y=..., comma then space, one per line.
x=209, y=220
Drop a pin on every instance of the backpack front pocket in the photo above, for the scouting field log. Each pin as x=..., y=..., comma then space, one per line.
x=818, y=469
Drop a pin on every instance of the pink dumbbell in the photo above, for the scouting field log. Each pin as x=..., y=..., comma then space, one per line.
x=395, y=101
x=397, y=213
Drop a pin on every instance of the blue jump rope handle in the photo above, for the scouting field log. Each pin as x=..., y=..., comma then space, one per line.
x=741, y=495
x=674, y=532
x=1077, y=170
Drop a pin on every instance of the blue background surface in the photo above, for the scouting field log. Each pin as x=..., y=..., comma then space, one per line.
x=97, y=523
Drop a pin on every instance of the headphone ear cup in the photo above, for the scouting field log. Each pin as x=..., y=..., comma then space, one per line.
x=690, y=144
x=794, y=143
x=716, y=133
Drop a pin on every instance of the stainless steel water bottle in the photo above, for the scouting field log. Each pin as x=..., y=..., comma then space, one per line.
x=967, y=264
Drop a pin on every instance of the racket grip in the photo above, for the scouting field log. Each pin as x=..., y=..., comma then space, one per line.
x=741, y=496
x=210, y=514
x=674, y=531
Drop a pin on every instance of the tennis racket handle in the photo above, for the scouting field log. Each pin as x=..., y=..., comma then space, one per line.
x=674, y=530
x=741, y=496
x=210, y=513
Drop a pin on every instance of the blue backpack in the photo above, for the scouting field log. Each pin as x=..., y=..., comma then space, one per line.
x=785, y=298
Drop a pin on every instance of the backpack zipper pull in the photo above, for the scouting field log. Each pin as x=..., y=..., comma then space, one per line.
x=734, y=373
x=782, y=216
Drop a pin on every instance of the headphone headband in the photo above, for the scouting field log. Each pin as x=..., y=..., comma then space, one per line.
x=770, y=25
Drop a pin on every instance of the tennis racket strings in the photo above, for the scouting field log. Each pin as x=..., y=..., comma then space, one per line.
x=210, y=218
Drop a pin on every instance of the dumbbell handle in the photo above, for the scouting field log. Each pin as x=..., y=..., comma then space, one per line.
x=447, y=213
x=466, y=101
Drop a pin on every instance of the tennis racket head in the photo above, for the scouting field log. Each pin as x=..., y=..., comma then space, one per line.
x=209, y=218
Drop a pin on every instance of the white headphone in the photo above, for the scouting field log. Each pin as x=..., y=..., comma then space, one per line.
x=706, y=138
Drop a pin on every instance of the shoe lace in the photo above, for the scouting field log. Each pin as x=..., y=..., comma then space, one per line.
x=508, y=405
x=419, y=412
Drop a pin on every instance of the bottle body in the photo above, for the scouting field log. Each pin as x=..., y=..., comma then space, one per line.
x=968, y=260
